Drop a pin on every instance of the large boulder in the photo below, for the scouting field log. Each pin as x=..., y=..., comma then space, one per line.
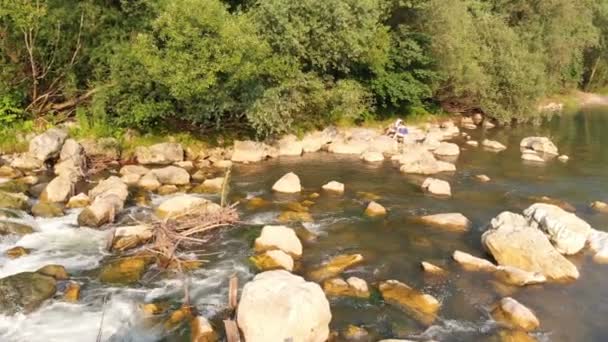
x=289, y=145
x=352, y=146
x=281, y=238
x=108, y=197
x=515, y=315
x=567, y=231
x=436, y=187
x=314, y=141
x=184, y=204
x=58, y=190
x=383, y=144
x=372, y=157
x=250, y=151
x=172, y=175
x=160, y=154
x=107, y=148
x=512, y=241
x=539, y=144
x=48, y=144
x=10, y=227
x=25, y=291
x=447, y=149
x=279, y=306
x=423, y=307
x=134, y=170
x=289, y=183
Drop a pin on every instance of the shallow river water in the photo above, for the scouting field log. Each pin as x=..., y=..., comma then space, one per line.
x=392, y=247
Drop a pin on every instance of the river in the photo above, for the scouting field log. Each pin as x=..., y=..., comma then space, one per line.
x=392, y=247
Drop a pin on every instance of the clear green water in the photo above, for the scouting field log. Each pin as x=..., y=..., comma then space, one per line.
x=393, y=246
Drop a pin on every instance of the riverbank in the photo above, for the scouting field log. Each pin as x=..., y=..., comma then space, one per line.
x=360, y=212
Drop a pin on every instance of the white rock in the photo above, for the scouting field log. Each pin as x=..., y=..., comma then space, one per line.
x=563, y=158
x=289, y=183
x=184, y=204
x=334, y=186
x=567, y=231
x=290, y=146
x=134, y=169
x=483, y=178
x=160, y=154
x=473, y=263
x=539, y=144
x=493, y=145
x=279, y=306
x=472, y=143
x=26, y=162
x=375, y=209
x=437, y=187
x=58, y=190
x=149, y=182
x=372, y=157
x=532, y=157
x=454, y=221
x=48, y=144
x=250, y=151
x=172, y=175
x=279, y=237
x=447, y=149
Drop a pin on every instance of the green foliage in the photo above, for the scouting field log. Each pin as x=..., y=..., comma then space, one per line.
x=275, y=66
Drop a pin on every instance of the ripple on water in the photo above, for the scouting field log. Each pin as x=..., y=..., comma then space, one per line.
x=55, y=241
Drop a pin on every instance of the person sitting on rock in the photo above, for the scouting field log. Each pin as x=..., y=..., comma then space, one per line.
x=398, y=130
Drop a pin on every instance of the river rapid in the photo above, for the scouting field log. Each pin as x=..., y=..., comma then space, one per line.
x=392, y=246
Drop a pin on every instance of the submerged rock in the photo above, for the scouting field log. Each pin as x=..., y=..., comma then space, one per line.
x=13, y=201
x=289, y=183
x=472, y=263
x=539, y=144
x=423, y=307
x=566, y=230
x=279, y=306
x=375, y=209
x=17, y=252
x=272, y=260
x=513, y=242
x=48, y=144
x=451, y=221
x=531, y=156
x=512, y=313
x=352, y=287
x=279, y=237
x=436, y=187
x=160, y=154
x=493, y=145
x=183, y=204
x=127, y=270
x=10, y=227
x=25, y=291
x=43, y=209
x=294, y=216
x=335, y=266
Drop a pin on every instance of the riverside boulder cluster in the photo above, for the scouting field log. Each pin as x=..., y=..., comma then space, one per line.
x=54, y=176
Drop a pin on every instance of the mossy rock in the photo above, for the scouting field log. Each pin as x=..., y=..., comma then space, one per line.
x=335, y=266
x=9, y=227
x=72, y=292
x=13, y=201
x=56, y=271
x=124, y=271
x=294, y=216
x=45, y=209
x=297, y=207
x=257, y=202
x=25, y=291
x=14, y=187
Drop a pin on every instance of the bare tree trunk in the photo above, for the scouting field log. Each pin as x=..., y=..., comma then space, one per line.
x=597, y=62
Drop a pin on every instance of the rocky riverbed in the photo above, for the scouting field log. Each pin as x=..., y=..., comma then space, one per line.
x=462, y=232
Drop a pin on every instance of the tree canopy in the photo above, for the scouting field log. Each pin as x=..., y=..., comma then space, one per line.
x=277, y=66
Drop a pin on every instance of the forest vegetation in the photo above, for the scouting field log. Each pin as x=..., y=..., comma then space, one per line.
x=268, y=67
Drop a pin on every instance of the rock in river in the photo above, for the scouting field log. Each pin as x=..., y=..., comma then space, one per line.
x=447, y=149
x=289, y=183
x=124, y=271
x=48, y=144
x=334, y=186
x=250, y=151
x=183, y=204
x=375, y=209
x=10, y=227
x=512, y=241
x=539, y=144
x=335, y=266
x=172, y=175
x=25, y=291
x=351, y=287
x=13, y=201
x=279, y=237
x=437, y=187
x=567, y=231
x=279, y=306
x=493, y=145
x=109, y=197
x=473, y=263
x=423, y=307
x=272, y=260
x=450, y=221
x=512, y=313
